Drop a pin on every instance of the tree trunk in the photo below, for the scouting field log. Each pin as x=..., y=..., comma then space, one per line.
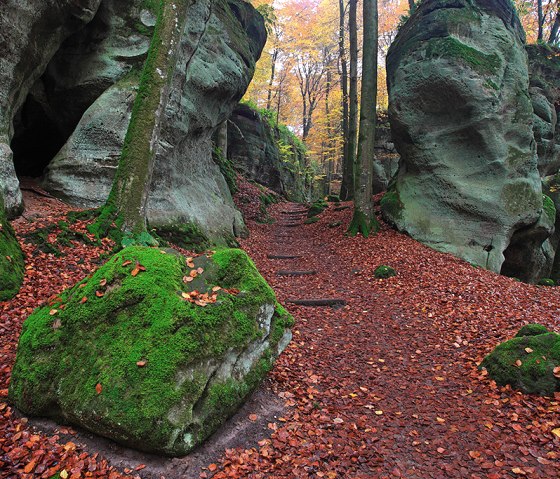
x=126, y=205
x=347, y=168
x=554, y=37
x=330, y=143
x=353, y=94
x=271, y=81
x=411, y=6
x=364, y=220
x=540, y=21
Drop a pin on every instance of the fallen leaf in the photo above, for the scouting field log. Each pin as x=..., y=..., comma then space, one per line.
x=141, y=364
x=98, y=388
x=253, y=417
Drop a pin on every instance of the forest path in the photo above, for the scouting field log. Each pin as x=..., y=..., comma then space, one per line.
x=387, y=384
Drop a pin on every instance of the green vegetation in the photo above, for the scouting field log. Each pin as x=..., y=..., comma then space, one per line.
x=317, y=207
x=112, y=354
x=391, y=203
x=227, y=169
x=187, y=235
x=310, y=221
x=546, y=282
x=549, y=208
x=384, y=272
x=527, y=362
x=333, y=199
x=11, y=258
x=361, y=224
x=64, y=237
x=449, y=47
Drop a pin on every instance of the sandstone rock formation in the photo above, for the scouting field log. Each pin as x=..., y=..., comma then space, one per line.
x=461, y=117
x=544, y=75
x=25, y=53
x=75, y=105
x=265, y=153
x=149, y=360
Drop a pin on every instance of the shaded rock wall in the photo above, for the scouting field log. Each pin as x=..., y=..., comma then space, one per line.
x=25, y=53
x=461, y=117
x=78, y=100
x=255, y=149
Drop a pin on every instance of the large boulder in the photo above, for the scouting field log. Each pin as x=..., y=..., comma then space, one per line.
x=529, y=362
x=220, y=45
x=26, y=50
x=266, y=153
x=544, y=74
x=11, y=258
x=142, y=354
x=462, y=118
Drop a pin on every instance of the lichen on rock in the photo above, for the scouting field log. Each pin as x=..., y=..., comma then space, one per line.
x=141, y=354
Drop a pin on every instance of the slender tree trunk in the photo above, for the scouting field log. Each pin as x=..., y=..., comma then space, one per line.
x=271, y=81
x=364, y=220
x=330, y=143
x=353, y=95
x=347, y=168
x=540, y=20
x=554, y=37
x=126, y=205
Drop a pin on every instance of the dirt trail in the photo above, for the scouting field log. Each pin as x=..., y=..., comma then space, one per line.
x=387, y=386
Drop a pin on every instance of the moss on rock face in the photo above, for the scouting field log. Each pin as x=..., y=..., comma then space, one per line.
x=11, y=258
x=125, y=355
x=527, y=362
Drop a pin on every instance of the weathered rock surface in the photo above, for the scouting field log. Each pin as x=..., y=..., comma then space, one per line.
x=11, y=258
x=462, y=121
x=143, y=364
x=216, y=60
x=265, y=154
x=527, y=362
x=544, y=74
x=25, y=53
x=220, y=45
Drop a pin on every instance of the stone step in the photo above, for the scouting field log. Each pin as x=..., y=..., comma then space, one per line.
x=320, y=302
x=296, y=273
x=283, y=256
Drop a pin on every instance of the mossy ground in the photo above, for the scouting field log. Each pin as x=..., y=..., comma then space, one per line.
x=77, y=359
x=11, y=258
x=384, y=272
x=527, y=361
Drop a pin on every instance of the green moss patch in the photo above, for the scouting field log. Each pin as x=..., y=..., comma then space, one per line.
x=384, y=272
x=125, y=355
x=187, y=235
x=527, y=362
x=317, y=208
x=310, y=221
x=391, y=204
x=11, y=258
x=549, y=208
x=452, y=49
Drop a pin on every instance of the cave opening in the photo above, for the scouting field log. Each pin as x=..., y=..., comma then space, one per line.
x=37, y=138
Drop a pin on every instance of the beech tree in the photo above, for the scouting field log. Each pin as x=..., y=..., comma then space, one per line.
x=364, y=220
x=126, y=205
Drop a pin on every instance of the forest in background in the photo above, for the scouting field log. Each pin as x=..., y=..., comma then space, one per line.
x=301, y=72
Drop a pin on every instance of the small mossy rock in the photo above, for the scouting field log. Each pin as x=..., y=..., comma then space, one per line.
x=11, y=258
x=527, y=361
x=317, y=208
x=313, y=219
x=546, y=282
x=136, y=362
x=532, y=330
x=384, y=272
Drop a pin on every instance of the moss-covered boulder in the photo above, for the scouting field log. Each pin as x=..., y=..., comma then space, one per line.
x=153, y=350
x=528, y=362
x=11, y=258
